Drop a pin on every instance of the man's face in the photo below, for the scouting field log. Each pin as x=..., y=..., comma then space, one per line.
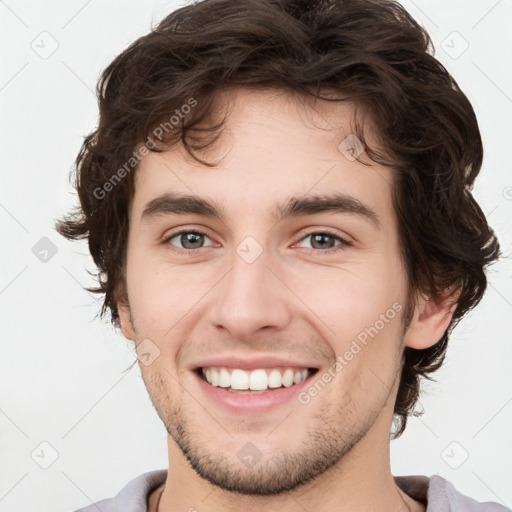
x=255, y=286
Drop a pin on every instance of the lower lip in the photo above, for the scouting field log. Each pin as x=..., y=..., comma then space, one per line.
x=247, y=404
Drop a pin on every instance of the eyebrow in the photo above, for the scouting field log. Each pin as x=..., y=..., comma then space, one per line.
x=295, y=206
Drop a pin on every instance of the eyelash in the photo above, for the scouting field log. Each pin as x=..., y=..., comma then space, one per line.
x=344, y=243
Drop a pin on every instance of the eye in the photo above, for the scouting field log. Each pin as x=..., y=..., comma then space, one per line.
x=325, y=240
x=189, y=240
x=321, y=241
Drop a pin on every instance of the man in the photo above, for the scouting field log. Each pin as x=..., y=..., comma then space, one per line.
x=277, y=198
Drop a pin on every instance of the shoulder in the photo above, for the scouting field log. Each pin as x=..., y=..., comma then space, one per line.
x=444, y=496
x=133, y=497
x=440, y=495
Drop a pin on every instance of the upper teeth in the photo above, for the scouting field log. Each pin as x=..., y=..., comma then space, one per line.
x=259, y=379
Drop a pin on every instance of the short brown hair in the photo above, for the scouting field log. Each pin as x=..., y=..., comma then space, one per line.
x=371, y=51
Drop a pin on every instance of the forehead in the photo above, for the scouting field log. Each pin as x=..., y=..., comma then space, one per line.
x=273, y=146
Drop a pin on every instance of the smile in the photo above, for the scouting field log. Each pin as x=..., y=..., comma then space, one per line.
x=252, y=391
x=257, y=380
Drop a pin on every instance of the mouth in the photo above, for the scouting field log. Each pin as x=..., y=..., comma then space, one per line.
x=252, y=391
x=257, y=381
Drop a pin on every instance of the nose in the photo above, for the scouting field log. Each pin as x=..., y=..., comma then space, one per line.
x=250, y=298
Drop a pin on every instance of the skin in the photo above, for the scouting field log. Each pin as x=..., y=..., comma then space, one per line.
x=331, y=454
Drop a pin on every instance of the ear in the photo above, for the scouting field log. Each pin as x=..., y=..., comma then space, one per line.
x=431, y=318
x=123, y=309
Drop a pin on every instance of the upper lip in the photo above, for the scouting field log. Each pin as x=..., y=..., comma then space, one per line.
x=251, y=363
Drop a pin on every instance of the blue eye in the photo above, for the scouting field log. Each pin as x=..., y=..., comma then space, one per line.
x=324, y=240
x=189, y=240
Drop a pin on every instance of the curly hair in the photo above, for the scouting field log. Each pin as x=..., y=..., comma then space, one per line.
x=371, y=51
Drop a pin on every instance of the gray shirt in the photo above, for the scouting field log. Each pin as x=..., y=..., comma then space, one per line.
x=435, y=492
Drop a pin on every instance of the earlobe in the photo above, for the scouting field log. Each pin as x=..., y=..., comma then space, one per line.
x=124, y=318
x=431, y=319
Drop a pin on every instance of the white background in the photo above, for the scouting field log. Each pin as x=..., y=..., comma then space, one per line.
x=62, y=370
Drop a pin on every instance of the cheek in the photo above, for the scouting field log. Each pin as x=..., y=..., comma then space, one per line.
x=350, y=299
x=161, y=294
x=363, y=311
